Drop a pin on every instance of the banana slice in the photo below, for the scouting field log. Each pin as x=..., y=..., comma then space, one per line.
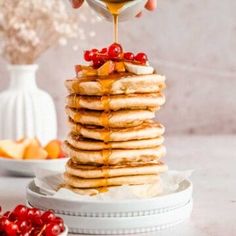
x=139, y=69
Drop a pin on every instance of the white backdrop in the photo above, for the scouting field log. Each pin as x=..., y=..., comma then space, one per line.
x=192, y=42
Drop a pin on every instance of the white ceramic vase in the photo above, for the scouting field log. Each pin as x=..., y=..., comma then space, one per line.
x=26, y=110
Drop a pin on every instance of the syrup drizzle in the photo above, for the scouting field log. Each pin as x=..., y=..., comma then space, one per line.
x=114, y=8
x=76, y=101
x=106, y=85
x=115, y=26
x=105, y=102
x=77, y=116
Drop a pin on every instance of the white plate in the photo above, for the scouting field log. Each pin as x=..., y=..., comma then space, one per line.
x=127, y=225
x=118, y=217
x=27, y=167
x=105, y=208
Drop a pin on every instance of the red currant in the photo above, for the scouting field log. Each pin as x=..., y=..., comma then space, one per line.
x=20, y=212
x=60, y=222
x=141, y=57
x=115, y=51
x=88, y=55
x=4, y=222
x=52, y=230
x=94, y=56
x=94, y=50
x=36, y=217
x=7, y=214
x=11, y=229
x=129, y=56
x=23, y=226
x=98, y=63
x=26, y=234
x=12, y=217
x=104, y=50
x=35, y=232
x=103, y=57
x=47, y=216
x=30, y=213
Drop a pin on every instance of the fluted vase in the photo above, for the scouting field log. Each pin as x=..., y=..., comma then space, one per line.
x=25, y=110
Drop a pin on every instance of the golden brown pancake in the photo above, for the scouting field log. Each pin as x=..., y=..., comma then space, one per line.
x=113, y=119
x=150, y=101
x=77, y=182
x=88, y=172
x=114, y=156
x=147, y=130
x=122, y=83
x=82, y=143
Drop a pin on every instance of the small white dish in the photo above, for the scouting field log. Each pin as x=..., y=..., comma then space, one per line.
x=65, y=233
x=27, y=167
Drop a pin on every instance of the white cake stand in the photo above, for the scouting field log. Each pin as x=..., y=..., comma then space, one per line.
x=118, y=217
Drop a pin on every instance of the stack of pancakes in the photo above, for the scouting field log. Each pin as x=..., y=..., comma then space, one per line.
x=113, y=139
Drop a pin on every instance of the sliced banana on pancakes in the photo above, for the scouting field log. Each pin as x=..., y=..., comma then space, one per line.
x=139, y=69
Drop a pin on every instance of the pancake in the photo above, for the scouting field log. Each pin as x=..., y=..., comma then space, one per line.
x=142, y=190
x=150, y=101
x=88, y=172
x=120, y=83
x=115, y=156
x=147, y=130
x=77, y=182
x=79, y=142
x=113, y=119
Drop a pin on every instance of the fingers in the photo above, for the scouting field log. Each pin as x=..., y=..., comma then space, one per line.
x=76, y=3
x=151, y=5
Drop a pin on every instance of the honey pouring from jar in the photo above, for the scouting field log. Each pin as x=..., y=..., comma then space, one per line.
x=114, y=10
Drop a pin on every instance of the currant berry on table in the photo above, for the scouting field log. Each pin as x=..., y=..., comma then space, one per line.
x=24, y=221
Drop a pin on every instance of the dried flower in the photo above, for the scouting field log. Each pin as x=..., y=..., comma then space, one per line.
x=29, y=28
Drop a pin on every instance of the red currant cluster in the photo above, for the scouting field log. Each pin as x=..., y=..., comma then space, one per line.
x=115, y=53
x=23, y=221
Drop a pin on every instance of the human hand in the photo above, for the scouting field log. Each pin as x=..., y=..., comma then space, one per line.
x=150, y=5
x=76, y=3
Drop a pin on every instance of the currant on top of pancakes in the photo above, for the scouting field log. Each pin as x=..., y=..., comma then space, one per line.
x=114, y=53
x=113, y=59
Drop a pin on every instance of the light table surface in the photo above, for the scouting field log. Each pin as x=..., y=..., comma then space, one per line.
x=214, y=160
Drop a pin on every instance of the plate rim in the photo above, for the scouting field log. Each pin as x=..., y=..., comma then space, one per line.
x=106, y=202
x=32, y=161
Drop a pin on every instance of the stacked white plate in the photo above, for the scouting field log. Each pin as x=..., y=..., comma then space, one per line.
x=121, y=217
